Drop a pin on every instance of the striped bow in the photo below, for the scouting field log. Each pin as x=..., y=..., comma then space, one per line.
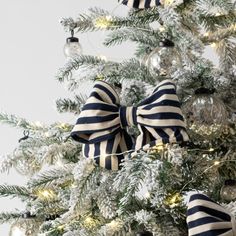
x=141, y=4
x=207, y=218
x=102, y=123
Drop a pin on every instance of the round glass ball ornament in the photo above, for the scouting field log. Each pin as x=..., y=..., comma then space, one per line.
x=72, y=47
x=228, y=190
x=206, y=115
x=25, y=227
x=162, y=59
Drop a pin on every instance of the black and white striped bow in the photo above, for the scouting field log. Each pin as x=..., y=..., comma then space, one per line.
x=141, y=4
x=102, y=123
x=207, y=218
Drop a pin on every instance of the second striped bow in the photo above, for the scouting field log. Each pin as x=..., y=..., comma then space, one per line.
x=141, y=4
x=207, y=218
x=102, y=123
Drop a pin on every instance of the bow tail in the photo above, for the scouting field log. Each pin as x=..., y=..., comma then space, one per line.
x=108, y=153
x=207, y=218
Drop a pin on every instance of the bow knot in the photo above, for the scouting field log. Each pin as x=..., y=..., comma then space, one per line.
x=102, y=123
x=128, y=116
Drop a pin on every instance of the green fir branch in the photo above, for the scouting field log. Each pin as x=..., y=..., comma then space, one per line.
x=19, y=122
x=143, y=36
x=52, y=177
x=85, y=61
x=7, y=217
x=15, y=191
x=69, y=105
x=226, y=49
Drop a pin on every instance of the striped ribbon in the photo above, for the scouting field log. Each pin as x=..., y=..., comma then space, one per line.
x=102, y=123
x=141, y=4
x=207, y=218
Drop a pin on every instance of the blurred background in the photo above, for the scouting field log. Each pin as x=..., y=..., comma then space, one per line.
x=31, y=52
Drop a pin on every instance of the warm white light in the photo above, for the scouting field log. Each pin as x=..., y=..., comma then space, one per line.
x=216, y=163
x=38, y=124
x=213, y=45
x=102, y=57
x=16, y=231
x=162, y=29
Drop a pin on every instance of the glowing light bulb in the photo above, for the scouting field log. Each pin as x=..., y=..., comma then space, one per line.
x=16, y=231
x=102, y=57
x=38, y=124
x=46, y=194
x=216, y=163
x=213, y=45
x=162, y=29
x=211, y=150
x=47, y=134
x=103, y=22
x=206, y=34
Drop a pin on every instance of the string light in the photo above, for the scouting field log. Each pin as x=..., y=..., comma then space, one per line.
x=46, y=194
x=103, y=22
x=216, y=163
x=102, y=57
x=60, y=227
x=147, y=195
x=38, y=124
x=211, y=150
x=47, y=134
x=213, y=45
x=206, y=34
x=90, y=222
x=16, y=231
x=162, y=29
x=173, y=200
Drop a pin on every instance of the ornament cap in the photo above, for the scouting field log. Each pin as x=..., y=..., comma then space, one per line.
x=230, y=182
x=72, y=40
x=166, y=43
x=203, y=90
x=144, y=233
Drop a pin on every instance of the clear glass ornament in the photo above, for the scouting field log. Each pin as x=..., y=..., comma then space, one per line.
x=206, y=116
x=25, y=227
x=162, y=60
x=72, y=47
x=228, y=190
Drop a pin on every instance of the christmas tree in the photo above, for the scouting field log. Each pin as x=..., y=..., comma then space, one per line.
x=156, y=129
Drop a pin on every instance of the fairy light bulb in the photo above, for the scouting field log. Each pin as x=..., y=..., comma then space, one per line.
x=213, y=45
x=16, y=231
x=72, y=47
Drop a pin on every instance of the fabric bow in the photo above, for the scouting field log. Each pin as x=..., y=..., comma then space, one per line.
x=102, y=123
x=207, y=218
x=141, y=4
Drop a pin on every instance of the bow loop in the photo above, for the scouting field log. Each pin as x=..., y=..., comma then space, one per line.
x=205, y=217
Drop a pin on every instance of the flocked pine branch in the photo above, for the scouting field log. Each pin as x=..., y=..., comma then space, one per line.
x=6, y=217
x=143, y=36
x=15, y=191
x=52, y=177
x=20, y=122
x=69, y=105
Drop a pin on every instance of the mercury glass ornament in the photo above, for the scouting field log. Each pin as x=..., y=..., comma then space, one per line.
x=206, y=115
x=25, y=227
x=162, y=59
x=228, y=190
x=72, y=47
